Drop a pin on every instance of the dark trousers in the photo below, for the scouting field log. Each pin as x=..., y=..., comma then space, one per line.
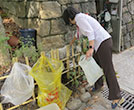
x=103, y=57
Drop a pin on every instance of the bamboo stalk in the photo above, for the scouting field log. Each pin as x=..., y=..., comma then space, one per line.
x=31, y=100
x=73, y=57
x=3, y=77
x=78, y=59
x=74, y=68
x=67, y=62
x=70, y=57
x=73, y=79
x=84, y=44
x=52, y=53
x=69, y=70
x=1, y=107
x=27, y=63
x=14, y=59
x=57, y=53
x=65, y=71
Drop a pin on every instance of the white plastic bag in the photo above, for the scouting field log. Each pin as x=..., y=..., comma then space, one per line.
x=52, y=106
x=19, y=86
x=91, y=69
x=107, y=16
x=113, y=1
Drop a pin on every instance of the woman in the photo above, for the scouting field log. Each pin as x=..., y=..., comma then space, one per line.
x=100, y=41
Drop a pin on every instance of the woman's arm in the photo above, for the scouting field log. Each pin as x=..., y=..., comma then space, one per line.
x=88, y=31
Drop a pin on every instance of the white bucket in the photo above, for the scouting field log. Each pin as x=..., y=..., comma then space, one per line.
x=52, y=106
x=91, y=69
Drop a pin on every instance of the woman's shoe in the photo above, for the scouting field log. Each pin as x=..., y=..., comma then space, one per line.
x=114, y=105
x=117, y=107
x=93, y=89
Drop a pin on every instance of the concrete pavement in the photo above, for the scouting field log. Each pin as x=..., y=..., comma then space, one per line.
x=124, y=66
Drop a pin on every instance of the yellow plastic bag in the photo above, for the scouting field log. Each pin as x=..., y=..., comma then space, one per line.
x=47, y=73
x=60, y=97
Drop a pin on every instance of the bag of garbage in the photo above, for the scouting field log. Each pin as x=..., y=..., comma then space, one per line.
x=91, y=69
x=47, y=73
x=19, y=86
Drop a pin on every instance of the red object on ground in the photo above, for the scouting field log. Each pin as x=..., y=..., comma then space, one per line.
x=13, y=40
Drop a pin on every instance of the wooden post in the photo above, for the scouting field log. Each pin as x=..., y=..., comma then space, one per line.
x=67, y=62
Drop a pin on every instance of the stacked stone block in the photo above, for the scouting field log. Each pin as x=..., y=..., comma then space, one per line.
x=45, y=16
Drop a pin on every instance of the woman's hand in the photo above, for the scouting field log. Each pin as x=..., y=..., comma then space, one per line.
x=91, y=49
x=89, y=53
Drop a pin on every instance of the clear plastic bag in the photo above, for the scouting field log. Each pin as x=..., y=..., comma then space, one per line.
x=19, y=86
x=91, y=69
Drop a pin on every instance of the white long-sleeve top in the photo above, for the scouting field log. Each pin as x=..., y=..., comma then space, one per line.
x=90, y=27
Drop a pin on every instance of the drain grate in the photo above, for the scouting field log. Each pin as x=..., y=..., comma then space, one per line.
x=129, y=99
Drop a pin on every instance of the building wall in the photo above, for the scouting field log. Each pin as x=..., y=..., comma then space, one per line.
x=45, y=17
x=127, y=24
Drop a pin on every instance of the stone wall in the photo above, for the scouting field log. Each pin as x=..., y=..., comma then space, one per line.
x=4, y=58
x=127, y=24
x=45, y=17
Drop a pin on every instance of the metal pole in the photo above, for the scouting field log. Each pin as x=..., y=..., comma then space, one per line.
x=120, y=30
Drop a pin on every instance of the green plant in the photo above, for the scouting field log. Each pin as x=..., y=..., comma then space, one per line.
x=3, y=44
x=28, y=51
x=83, y=40
x=75, y=81
x=72, y=76
x=4, y=50
x=84, y=50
